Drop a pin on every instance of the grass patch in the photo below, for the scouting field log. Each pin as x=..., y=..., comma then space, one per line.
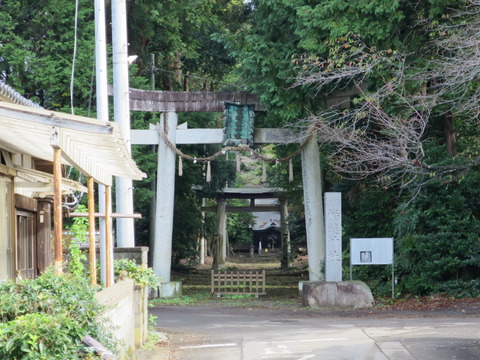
x=181, y=301
x=281, y=284
x=202, y=296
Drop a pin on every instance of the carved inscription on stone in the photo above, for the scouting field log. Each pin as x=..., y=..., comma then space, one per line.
x=333, y=236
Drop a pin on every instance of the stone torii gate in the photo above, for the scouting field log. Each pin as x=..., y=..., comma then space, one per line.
x=169, y=103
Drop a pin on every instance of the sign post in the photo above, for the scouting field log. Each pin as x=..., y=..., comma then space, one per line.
x=372, y=251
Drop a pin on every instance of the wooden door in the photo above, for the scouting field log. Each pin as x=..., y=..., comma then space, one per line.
x=26, y=244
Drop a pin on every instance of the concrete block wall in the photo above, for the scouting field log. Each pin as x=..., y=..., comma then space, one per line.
x=141, y=314
x=127, y=312
x=139, y=254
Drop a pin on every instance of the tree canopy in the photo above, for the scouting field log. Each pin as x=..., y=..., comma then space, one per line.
x=36, y=51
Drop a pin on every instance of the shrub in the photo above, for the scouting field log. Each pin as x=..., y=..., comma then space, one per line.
x=40, y=336
x=49, y=310
x=142, y=275
x=437, y=240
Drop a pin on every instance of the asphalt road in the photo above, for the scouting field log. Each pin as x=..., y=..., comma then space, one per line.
x=205, y=332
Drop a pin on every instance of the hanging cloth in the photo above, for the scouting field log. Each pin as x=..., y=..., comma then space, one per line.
x=237, y=161
x=264, y=172
x=180, y=166
x=209, y=172
x=290, y=170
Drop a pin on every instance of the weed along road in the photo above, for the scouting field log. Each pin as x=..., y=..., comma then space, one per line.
x=233, y=333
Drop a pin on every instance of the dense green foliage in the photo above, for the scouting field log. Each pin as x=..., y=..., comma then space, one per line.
x=438, y=249
x=142, y=275
x=36, y=42
x=239, y=228
x=46, y=318
x=78, y=233
x=179, y=34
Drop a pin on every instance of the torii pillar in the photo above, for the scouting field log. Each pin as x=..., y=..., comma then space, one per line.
x=285, y=262
x=162, y=248
x=313, y=201
x=221, y=238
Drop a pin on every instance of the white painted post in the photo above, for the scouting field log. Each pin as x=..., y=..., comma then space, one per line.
x=106, y=273
x=285, y=232
x=333, y=236
x=201, y=255
x=312, y=194
x=162, y=247
x=221, y=229
x=226, y=243
x=201, y=247
x=124, y=187
x=102, y=114
x=102, y=228
x=124, y=205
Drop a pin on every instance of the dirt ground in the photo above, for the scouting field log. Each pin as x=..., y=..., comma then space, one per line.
x=283, y=295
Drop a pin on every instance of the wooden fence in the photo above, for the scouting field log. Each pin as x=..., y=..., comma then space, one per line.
x=236, y=282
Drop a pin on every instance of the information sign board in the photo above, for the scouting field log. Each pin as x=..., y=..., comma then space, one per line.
x=371, y=251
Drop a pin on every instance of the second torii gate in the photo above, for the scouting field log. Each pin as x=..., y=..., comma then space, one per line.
x=250, y=194
x=169, y=103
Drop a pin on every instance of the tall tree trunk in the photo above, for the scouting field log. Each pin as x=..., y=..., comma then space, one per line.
x=186, y=81
x=178, y=68
x=173, y=77
x=450, y=137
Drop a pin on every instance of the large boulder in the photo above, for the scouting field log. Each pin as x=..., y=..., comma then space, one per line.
x=344, y=294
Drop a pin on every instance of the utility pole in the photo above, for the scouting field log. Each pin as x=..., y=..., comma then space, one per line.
x=153, y=184
x=102, y=114
x=124, y=187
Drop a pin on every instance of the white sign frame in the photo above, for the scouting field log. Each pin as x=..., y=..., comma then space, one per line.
x=372, y=251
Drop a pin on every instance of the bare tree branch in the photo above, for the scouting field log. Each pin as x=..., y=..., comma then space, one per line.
x=350, y=61
x=383, y=134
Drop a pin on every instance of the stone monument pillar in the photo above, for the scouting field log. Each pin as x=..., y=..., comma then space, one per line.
x=333, y=236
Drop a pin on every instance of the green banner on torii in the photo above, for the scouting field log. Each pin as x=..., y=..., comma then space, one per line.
x=238, y=122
